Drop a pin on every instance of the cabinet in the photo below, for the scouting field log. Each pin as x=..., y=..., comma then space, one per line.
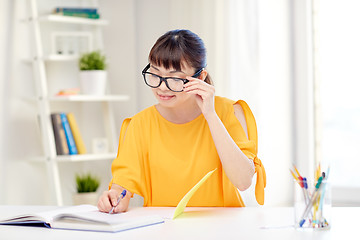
x=46, y=61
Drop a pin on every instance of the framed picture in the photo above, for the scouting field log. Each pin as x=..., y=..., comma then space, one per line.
x=71, y=43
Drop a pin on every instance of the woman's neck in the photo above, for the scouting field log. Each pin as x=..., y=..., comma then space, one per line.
x=181, y=114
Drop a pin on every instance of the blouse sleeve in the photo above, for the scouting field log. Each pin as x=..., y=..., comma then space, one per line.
x=127, y=168
x=249, y=146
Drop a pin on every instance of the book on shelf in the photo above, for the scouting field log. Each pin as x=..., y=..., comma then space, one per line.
x=68, y=92
x=83, y=15
x=69, y=136
x=76, y=133
x=59, y=135
x=85, y=217
x=78, y=12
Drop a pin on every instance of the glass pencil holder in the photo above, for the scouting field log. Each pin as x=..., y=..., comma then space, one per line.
x=312, y=204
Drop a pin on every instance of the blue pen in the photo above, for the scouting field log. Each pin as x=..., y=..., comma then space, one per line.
x=312, y=201
x=307, y=198
x=122, y=195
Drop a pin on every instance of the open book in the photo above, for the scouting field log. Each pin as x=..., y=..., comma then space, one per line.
x=89, y=218
x=85, y=217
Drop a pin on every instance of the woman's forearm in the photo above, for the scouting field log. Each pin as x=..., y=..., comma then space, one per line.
x=238, y=168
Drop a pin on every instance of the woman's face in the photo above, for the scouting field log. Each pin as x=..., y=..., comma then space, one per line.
x=163, y=94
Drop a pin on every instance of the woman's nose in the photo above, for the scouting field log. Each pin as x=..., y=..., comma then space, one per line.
x=163, y=86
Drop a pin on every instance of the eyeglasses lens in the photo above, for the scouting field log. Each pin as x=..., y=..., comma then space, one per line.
x=173, y=84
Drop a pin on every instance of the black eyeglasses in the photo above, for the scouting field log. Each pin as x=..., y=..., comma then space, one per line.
x=172, y=83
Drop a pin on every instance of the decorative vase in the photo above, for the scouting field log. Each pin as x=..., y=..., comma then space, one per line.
x=93, y=82
x=85, y=198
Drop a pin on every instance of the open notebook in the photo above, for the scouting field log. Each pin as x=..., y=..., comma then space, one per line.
x=85, y=217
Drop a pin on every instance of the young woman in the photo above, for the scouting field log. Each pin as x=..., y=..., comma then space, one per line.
x=166, y=149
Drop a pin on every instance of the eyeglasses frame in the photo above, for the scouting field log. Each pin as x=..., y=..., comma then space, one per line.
x=164, y=79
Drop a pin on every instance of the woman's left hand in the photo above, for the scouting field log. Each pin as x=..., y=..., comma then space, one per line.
x=204, y=94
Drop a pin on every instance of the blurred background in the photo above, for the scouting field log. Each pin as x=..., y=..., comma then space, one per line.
x=293, y=61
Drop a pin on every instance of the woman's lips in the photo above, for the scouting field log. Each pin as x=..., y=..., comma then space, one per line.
x=165, y=97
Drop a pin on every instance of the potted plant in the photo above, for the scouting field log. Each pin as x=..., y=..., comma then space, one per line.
x=93, y=73
x=86, y=186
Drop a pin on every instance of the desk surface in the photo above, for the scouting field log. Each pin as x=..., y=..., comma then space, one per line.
x=199, y=223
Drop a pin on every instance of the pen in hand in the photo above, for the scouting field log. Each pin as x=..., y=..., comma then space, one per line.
x=122, y=195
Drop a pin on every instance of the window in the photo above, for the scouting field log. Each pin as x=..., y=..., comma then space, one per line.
x=337, y=90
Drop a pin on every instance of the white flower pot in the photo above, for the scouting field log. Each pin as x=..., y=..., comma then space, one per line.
x=93, y=82
x=85, y=198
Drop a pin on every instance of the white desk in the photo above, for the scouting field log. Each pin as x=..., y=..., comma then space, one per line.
x=200, y=223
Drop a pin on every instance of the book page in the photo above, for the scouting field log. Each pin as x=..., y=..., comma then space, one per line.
x=48, y=216
x=95, y=220
x=53, y=214
x=96, y=216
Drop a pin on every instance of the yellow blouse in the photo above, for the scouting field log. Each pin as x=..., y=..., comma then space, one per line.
x=162, y=161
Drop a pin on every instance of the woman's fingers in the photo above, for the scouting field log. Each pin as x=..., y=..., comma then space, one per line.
x=200, y=89
x=204, y=94
x=199, y=85
x=104, y=204
x=107, y=200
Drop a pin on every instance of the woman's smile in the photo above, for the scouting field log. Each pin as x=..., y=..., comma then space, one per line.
x=165, y=97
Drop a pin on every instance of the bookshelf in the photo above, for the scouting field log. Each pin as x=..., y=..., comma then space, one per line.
x=45, y=98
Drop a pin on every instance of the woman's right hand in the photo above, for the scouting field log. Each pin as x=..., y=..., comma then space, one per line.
x=109, y=199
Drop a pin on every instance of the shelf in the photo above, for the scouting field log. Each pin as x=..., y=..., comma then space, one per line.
x=58, y=57
x=74, y=20
x=78, y=158
x=44, y=57
x=90, y=98
x=85, y=157
x=54, y=58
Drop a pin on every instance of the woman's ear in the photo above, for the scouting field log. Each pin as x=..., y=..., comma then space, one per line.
x=203, y=75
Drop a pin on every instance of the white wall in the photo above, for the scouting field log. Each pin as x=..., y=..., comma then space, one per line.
x=4, y=41
x=151, y=22
x=120, y=46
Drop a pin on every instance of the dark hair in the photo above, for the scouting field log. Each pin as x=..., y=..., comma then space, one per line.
x=176, y=46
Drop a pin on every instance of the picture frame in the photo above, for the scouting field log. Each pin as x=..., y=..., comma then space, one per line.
x=71, y=43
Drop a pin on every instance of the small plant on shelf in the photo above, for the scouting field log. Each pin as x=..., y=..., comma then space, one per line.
x=86, y=186
x=92, y=61
x=86, y=183
x=93, y=73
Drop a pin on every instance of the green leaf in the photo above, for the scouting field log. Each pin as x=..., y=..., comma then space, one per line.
x=86, y=183
x=92, y=61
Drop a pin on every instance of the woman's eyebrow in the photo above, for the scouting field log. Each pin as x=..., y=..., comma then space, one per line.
x=154, y=67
